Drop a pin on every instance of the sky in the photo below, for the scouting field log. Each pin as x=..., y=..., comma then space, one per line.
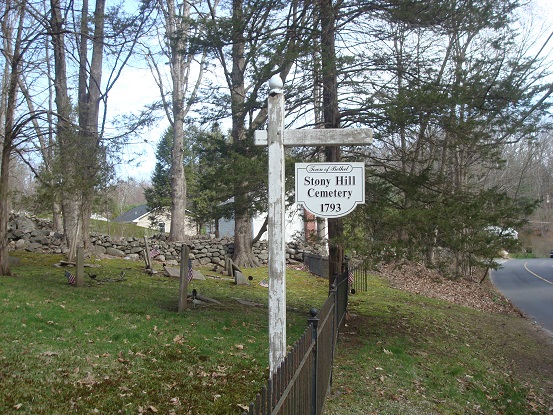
x=136, y=88
x=132, y=92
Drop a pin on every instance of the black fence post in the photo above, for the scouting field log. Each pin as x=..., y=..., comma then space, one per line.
x=334, y=288
x=346, y=275
x=314, y=322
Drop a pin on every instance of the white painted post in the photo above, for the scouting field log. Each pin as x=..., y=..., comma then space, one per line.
x=276, y=138
x=277, y=249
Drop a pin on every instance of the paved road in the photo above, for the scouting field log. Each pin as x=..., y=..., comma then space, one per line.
x=528, y=283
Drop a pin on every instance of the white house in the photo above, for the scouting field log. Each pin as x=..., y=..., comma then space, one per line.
x=142, y=216
x=298, y=224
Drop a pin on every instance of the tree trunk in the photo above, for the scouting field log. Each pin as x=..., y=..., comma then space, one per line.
x=57, y=219
x=177, y=32
x=65, y=133
x=90, y=82
x=13, y=61
x=4, y=207
x=178, y=185
x=176, y=18
x=243, y=252
x=331, y=116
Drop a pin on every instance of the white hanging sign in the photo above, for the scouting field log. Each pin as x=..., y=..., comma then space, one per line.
x=330, y=190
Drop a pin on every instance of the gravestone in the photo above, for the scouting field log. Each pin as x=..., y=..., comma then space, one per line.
x=240, y=279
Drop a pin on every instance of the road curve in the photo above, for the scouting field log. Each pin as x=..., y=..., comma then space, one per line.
x=528, y=284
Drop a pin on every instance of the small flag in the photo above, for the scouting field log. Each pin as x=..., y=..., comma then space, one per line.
x=154, y=252
x=190, y=272
x=71, y=279
x=350, y=278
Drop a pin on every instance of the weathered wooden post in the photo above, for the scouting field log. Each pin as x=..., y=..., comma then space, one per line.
x=228, y=266
x=79, y=275
x=147, y=258
x=277, y=259
x=183, y=285
x=322, y=203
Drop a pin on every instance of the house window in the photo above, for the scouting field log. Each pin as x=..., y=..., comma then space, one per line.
x=161, y=226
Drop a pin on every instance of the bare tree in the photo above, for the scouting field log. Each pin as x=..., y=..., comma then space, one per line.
x=17, y=40
x=83, y=148
x=251, y=43
x=186, y=72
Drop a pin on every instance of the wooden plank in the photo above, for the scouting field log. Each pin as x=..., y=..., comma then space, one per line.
x=321, y=137
x=183, y=283
x=147, y=254
x=80, y=267
x=277, y=246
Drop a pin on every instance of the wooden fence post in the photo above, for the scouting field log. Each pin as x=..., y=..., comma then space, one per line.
x=183, y=286
x=79, y=275
x=147, y=254
x=229, y=266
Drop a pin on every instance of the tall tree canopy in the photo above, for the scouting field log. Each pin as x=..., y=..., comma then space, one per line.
x=452, y=89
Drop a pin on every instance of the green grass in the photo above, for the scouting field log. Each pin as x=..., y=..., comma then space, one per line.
x=406, y=354
x=117, y=229
x=121, y=347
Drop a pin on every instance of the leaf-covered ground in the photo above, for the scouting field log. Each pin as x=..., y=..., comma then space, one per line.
x=417, y=279
x=417, y=343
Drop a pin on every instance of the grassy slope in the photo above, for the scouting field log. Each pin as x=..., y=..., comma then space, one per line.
x=120, y=347
x=406, y=354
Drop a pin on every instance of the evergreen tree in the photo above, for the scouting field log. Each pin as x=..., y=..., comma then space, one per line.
x=207, y=160
x=158, y=196
x=251, y=40
x=446, y=94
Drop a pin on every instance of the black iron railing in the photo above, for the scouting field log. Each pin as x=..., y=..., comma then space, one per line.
x=301, y=383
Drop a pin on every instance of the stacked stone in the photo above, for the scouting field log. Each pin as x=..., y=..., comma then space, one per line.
x=35, y=235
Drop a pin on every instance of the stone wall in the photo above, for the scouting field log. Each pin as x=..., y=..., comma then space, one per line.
x=36, y=235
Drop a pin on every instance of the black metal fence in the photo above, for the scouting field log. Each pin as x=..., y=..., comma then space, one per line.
x=359, y=276
x=301, y=383
x=316, y=264
x=358, y=271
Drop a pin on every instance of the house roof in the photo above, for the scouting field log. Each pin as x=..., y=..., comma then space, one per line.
x=133, y=214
